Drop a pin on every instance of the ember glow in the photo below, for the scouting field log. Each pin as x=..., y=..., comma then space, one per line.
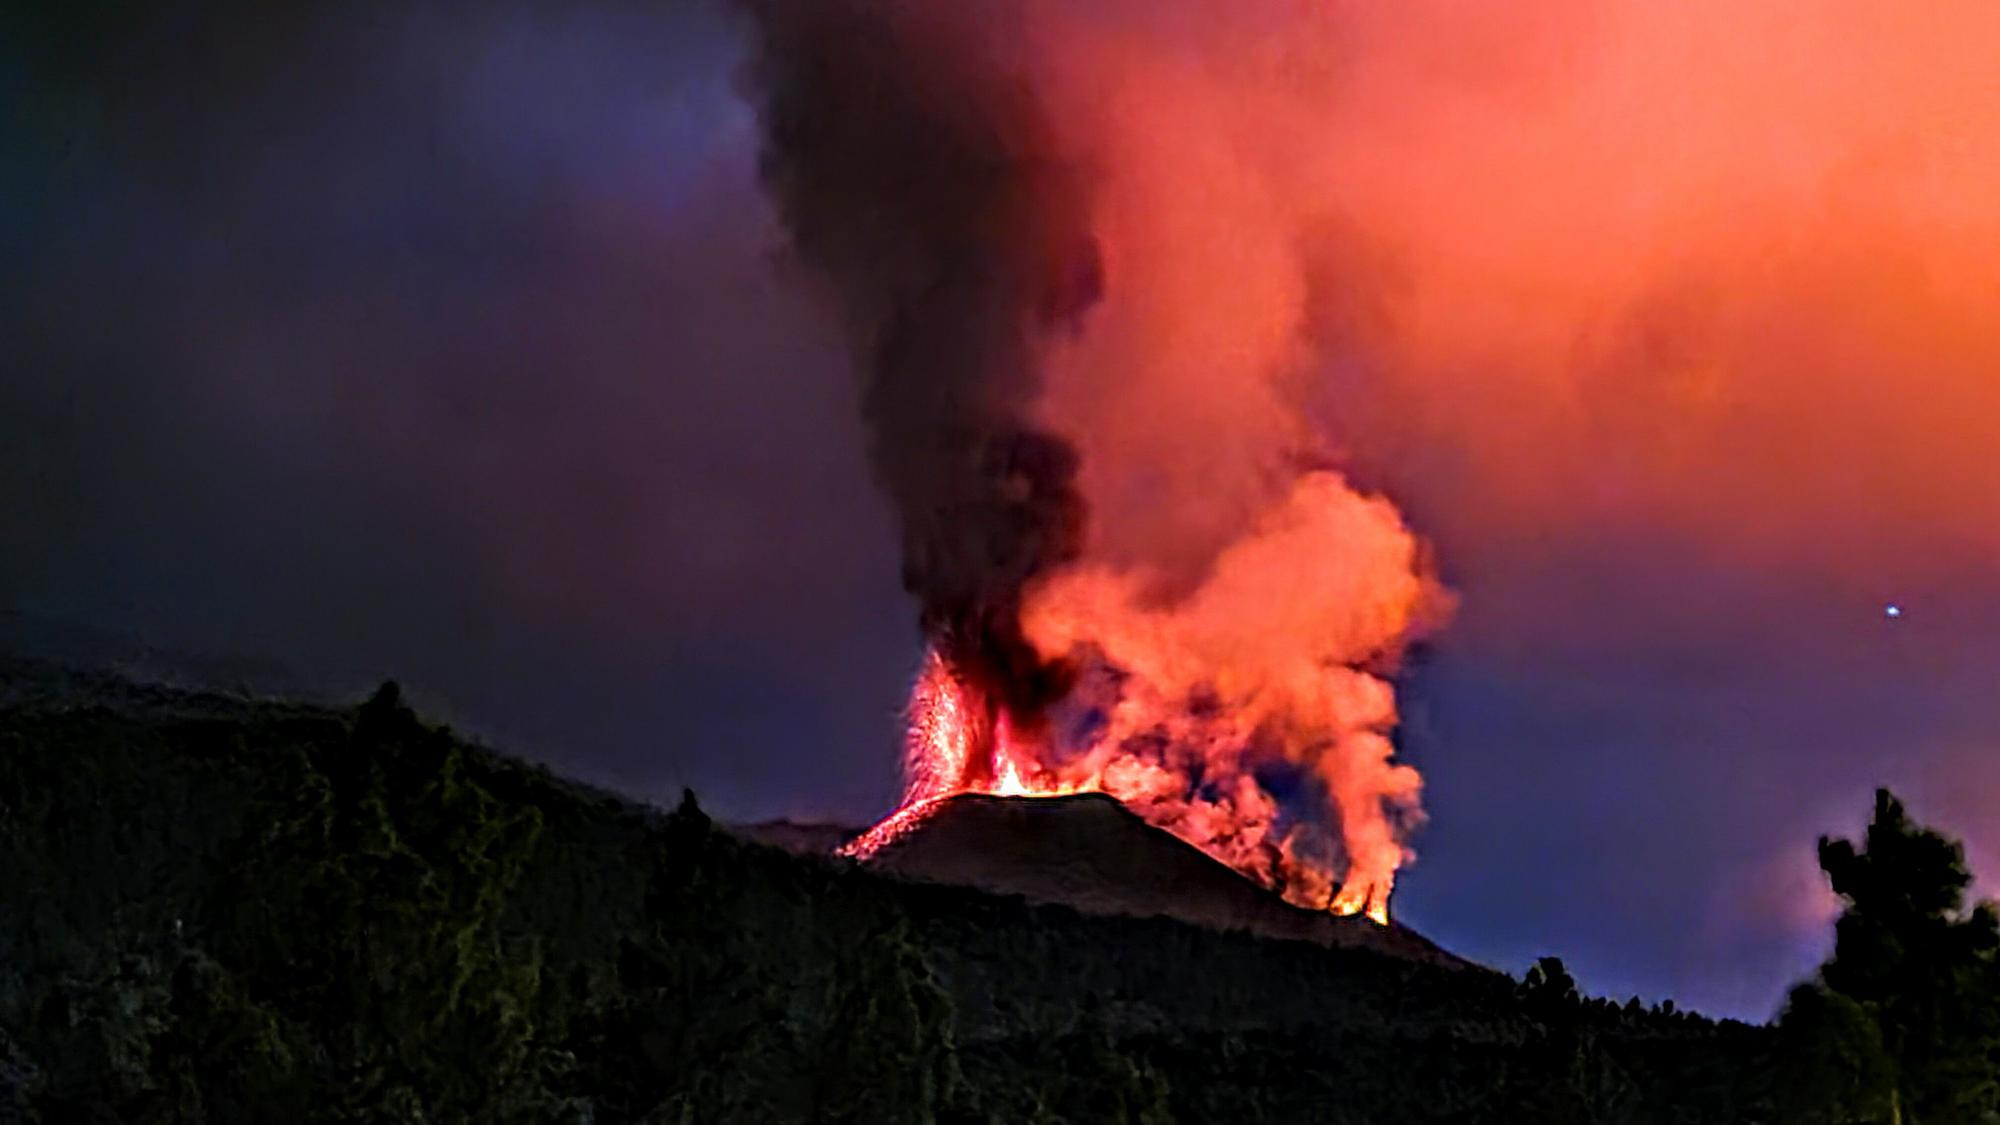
x=957, y=743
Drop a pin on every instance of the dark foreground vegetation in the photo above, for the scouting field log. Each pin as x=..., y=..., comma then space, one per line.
x=215, y=909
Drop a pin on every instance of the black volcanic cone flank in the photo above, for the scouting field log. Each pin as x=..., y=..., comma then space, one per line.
x=1090, y=852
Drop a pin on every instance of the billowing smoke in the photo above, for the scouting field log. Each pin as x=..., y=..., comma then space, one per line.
x=1083, y=333
x=918, y=176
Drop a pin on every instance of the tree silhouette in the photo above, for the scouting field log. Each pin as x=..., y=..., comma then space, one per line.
x=1549, y=992
x=1911, y=998
x=888, y=1056
x=1833, y=1069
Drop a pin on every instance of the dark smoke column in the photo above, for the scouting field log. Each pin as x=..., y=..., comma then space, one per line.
x=917, y=178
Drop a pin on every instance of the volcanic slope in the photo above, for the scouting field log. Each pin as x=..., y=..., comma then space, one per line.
x=1088, y=851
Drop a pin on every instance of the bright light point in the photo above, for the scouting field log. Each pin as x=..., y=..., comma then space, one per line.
x=1892, y=610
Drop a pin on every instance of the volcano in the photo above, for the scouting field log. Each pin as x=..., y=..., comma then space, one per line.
x=1089, y=852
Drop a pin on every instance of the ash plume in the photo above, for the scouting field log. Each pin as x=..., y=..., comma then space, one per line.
x=1060, y=284
x=917, y=179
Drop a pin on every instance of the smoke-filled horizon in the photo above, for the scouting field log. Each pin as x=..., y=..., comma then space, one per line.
x=450, y=345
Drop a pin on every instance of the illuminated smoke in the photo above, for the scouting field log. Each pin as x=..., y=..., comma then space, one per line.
x=1278, y=658
x=1081, y=329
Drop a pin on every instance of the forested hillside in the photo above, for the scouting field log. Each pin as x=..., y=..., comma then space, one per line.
x=216, y=908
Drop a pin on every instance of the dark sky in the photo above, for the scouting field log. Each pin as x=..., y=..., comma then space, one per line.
x=453, y=344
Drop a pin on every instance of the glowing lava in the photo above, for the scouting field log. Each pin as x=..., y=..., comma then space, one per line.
x=955, y=745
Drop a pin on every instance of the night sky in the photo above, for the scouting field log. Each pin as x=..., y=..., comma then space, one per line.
x=456, y=345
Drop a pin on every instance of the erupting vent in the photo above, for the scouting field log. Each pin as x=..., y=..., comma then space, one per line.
x=1080, y=338
x=960, y=743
